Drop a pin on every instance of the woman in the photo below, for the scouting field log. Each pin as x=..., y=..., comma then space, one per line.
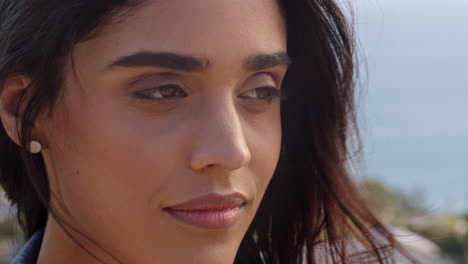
x=160, y=132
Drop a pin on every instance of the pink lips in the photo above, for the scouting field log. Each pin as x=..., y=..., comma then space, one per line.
x=212, y=211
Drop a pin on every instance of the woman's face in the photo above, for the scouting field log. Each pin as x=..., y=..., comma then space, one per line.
x=165, y=140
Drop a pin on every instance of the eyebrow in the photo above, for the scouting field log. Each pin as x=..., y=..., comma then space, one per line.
x=187, y=63
x=265, y=61
x=162, y=59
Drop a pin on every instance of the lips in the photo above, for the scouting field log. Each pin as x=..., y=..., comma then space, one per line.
x=213, y=211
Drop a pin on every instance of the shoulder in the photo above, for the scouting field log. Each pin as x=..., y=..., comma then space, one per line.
x=30, y=251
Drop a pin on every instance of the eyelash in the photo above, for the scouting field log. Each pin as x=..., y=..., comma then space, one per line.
x=147, y=94
x=273, y=93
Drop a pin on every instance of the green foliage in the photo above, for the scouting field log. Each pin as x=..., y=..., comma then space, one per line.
x=407, y=210
x=390, y=205
x=456, y=247
x=8, y=228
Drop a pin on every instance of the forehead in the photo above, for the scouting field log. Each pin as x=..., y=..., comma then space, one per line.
x=223, y=30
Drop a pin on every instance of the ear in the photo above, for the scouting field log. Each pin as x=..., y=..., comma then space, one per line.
x=11, y=91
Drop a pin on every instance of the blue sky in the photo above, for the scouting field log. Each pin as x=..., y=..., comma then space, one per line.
x=414, y=93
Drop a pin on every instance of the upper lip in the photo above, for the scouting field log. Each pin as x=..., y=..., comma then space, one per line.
x=213, y=201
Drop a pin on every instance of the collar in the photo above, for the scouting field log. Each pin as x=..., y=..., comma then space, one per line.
x=30, y=251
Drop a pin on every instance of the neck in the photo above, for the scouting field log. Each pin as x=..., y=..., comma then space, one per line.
x=58, y=247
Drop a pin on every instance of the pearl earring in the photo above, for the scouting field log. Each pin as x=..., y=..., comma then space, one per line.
x=35, y=146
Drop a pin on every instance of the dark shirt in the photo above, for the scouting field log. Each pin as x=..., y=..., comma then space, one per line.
x=30, y=251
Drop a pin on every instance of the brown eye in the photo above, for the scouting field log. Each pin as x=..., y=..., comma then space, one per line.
x=165, y=92
x=266, y=93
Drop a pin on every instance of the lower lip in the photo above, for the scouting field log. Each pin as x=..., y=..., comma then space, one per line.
x=208, y=219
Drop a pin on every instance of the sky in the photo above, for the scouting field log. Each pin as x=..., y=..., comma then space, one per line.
x=414, y=92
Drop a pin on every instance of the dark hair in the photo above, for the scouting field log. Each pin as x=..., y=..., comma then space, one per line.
x=311, y=210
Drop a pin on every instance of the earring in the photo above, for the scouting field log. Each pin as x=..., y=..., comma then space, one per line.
x=35, y=147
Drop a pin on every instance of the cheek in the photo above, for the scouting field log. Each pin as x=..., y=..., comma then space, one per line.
x=108, y=164
x=264, y=141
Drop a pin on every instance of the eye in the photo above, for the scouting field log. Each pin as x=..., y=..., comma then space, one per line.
x=165, y=92
x=266, y=93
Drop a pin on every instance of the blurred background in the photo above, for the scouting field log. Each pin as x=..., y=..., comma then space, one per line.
x=413, y=115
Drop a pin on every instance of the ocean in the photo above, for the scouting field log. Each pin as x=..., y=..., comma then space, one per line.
x=413, y=97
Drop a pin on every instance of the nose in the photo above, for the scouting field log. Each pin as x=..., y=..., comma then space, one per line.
x=219, y=139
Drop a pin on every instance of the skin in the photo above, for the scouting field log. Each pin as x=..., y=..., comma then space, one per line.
x=114, y=160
